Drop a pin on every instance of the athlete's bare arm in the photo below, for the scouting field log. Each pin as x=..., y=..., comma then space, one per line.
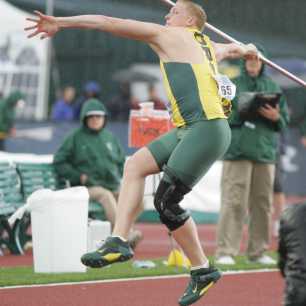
x=233, y=50
x=47, y=26
x=153, y=34
x=170, y=43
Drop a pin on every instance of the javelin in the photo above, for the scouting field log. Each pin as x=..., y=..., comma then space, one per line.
x=261, y=57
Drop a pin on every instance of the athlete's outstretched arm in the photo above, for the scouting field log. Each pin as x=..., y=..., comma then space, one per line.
x=233, y=50
x=138, y=30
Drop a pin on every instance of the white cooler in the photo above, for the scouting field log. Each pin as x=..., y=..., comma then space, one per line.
x=97, y=232
x=59, y=229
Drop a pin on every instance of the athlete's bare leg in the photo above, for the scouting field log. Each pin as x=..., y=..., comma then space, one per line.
x=187, y=237
x=136, y=168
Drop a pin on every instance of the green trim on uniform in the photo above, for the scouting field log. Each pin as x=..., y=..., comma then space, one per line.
x=184, y=87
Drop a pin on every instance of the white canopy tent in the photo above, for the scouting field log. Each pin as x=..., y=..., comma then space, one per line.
x=23, y=62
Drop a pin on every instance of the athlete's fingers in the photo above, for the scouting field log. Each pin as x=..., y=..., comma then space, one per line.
x=40, y=14
x=33, y=34
x=252, y=47
x=30, y=28
x=32, y=19
x=253, y=51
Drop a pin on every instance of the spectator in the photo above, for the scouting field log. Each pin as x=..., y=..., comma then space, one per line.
x=92, y=156
x=92, y=89
x=292, y=254
x=119, y=105
x=248, y=170
x=7, y=116
x=63, y=109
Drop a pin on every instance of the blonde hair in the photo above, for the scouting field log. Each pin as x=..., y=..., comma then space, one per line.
x=196, y=11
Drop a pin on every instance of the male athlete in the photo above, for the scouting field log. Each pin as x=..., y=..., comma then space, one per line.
x=188, y=60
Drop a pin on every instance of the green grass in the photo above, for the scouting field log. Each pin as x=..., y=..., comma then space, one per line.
x=242, y=263
x=13, y=276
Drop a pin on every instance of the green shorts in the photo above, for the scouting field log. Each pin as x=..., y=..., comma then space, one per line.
x=190, y=151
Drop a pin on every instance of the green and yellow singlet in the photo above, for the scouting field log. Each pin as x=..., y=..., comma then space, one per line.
x=191, y=88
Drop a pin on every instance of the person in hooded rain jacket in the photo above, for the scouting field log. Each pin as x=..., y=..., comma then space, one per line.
x=92, y=156
x=249, y=169
x=92, y=89
x=7, y=116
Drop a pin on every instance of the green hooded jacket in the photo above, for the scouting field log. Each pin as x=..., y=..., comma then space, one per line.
x=98, y=154
x=7, y=112
x=255, y=140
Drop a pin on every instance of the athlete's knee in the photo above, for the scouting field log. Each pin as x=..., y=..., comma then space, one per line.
x=132, y=167
x=140, y=164
x=167, y=199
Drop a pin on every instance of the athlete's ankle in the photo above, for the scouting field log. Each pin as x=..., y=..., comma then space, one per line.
x=120, y=237
x=205, y=265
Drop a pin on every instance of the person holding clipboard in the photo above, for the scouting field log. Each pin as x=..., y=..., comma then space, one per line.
x=259, y=113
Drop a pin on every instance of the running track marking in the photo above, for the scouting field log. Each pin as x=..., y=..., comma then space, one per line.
x=134, y=279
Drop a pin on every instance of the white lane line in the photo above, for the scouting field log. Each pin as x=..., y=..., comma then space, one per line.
x=132, y=279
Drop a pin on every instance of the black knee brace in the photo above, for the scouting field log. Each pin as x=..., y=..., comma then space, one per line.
x=167, y=199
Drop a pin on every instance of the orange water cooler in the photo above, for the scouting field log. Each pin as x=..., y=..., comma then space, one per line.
x=147, y=124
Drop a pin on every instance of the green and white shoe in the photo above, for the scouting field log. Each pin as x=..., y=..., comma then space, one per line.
x=201, y=280
x=113, y=250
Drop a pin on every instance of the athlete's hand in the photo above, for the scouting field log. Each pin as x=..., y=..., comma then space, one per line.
x=43, y=24
x=250, y=52
x=227, y=107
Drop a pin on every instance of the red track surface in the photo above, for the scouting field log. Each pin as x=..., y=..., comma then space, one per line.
x=252, y=289
x=255, y=289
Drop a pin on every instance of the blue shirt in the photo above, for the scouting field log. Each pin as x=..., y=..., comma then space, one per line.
x=62, y=111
